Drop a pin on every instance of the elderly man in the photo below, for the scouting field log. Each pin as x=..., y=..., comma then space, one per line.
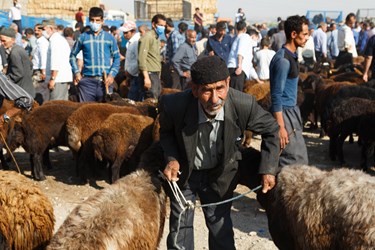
x=320, y=42
x=199, y=133
x=185, y=56
x=58, y=69
x=19, y=68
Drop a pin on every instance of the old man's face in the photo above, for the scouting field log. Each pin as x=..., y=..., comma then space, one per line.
x=212, y=96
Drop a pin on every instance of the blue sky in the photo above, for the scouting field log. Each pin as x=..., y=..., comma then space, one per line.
x=267, y=10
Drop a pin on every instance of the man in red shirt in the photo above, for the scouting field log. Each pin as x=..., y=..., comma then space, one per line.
x=198, y=21
x=80, y=17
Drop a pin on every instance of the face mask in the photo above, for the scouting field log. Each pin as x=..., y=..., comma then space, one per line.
x=95, y=26
x=160, y=30
x=45, y=34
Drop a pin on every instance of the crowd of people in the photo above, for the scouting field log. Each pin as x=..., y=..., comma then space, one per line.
x=197, y=134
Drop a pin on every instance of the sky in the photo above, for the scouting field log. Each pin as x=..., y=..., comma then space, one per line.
x=267, y=10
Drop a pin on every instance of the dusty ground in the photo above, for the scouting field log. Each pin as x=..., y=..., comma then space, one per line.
x=250, y=221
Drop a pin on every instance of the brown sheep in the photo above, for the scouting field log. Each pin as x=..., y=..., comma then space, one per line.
x=39, y=130
x=129, y=214
x=88, y=118
x=259, y=90
x=122, y=137
x=26, y=214
x=6, y=105
x=314, y=209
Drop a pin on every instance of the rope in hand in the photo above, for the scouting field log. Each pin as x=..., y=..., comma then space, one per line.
x=185, y=205
x=14, y=159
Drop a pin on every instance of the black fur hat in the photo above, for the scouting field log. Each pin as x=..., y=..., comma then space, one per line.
x=209, y=69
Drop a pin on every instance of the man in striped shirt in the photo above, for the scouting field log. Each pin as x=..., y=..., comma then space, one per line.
x=11, y=91
x=100, y=53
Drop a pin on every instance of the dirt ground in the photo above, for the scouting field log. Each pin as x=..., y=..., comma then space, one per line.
x=249, y=219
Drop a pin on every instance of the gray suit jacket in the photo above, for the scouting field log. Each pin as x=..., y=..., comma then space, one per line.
x=178, y=136
x=20, y=69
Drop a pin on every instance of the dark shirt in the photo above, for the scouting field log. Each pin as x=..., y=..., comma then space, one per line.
x=221, y=49
x=370, y=51
x=283, y=79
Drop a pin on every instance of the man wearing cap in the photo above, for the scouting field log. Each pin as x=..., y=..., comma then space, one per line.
x=19, y=68
x=200, y=133
x=58, y=69
x=129, y=30
x=100, y=54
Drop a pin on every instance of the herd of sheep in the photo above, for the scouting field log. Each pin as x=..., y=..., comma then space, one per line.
x=308, y=209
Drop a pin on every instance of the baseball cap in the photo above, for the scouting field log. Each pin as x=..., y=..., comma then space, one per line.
x=128, y=26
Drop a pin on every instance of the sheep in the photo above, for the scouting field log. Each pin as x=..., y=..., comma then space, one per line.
x=314, y=209
x=6, y=105
x=39, y=130
x=367, y=134
x=259, y=90
x=26, y=215
x=88, y=118
x=129, y=214
x=122, y=137
x=344, y=121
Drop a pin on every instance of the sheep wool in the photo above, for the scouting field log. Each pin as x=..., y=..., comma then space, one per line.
x=26, y=215
x=129, y=214
x=314, y=209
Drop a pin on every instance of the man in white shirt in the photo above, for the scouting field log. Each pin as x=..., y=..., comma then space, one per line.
x=346, y=42
x=39, y=61
x=129, y=30
x=240, y=58
x=15, y=15
x=262, y=59
x=58, y=69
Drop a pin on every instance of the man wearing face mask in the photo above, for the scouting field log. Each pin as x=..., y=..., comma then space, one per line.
x=149, y=60
x=100, y=53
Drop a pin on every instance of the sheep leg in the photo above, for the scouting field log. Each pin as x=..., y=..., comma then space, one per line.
x=332, y=147
x=115, y=169
x=340, y=147
x=4, y=163
x=46, y=160
x=37, y=169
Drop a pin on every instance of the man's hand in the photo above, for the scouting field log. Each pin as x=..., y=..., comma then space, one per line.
x=51, y=84
x=268, y=182
x=147, y=83
x=284, y=139
x=186, y=74
x=109, y=80
x=171, y=171
x=77, y=78
x=238, y=70
x=365, y=77
x=211, y=53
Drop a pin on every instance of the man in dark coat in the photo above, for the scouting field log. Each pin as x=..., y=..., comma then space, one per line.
x=200, y=132
x=19, y=65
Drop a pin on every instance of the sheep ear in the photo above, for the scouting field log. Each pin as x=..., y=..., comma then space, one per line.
x=18, y=118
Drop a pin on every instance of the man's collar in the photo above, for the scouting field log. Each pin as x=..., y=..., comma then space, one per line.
x=295, y=55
